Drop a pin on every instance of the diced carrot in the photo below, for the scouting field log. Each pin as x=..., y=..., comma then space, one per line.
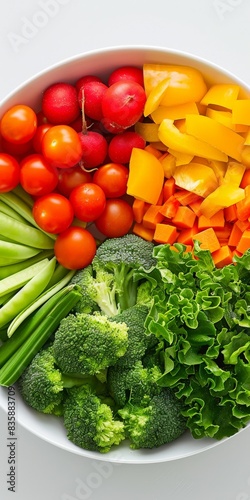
x=160, y=199
x=152, y=216
x=243, y=206
x=235, y=235
x=195, y=206
x=165, y=233
x=216, y=221
x=223, y=256
x=139, y=208
x=230, y=213
x=186, y=235
x=143, y=232
x=244, y=243
x=207, y=239
x=168, y=188
x=243, y=224
x=153, y=151
x=170, y=207
x=184, y=217
x=245, y=179
x=223, y=233
x=186, y=197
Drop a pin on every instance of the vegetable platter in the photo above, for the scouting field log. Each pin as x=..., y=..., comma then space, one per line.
x=124, y=211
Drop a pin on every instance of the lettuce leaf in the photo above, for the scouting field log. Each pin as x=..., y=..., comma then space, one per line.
x=201, y=316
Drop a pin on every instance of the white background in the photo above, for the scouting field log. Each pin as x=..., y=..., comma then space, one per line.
x=217, y=30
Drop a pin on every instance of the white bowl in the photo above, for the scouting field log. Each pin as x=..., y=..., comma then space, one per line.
x=102, y=62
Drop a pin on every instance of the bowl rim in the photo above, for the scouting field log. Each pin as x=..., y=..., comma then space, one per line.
x=113, y=49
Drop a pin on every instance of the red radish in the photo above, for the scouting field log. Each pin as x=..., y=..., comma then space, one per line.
x=90, y=96
x=85, y=79
x=131, y=73
x=123, y=103
x=120, y=146
x=60, y=103
x=94, y=149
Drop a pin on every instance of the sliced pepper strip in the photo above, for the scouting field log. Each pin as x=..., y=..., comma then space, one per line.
x=214, y=133
x=170, y=135
x=221, y=94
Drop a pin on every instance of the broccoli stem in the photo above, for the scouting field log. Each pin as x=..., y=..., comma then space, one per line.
x=127, y=288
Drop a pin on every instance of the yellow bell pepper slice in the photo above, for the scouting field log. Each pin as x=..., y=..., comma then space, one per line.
x=146, y=176
x=168, y=162
x=148, y=131
x=185, y=83
x=170, y=135
x=196, y=177
x=234, y=173
x=174, y=112
x=219, y=168
x=181, y=158
x=221, y=94
x=155, y=97
x=241, y=112
x=217, y=135
x=225, y=117
x=222, y=197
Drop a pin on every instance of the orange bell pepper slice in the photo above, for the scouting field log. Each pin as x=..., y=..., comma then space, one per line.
x=146, y=176
x=185, y=83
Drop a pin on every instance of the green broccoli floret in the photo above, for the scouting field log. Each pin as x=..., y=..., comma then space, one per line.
x=109, y=284
x=42, y=384
x=132, y=384
x=89, y=421
x=154, y=422
x=122, y=257
x=138, y=340
x=89, y=343
x=98, y=291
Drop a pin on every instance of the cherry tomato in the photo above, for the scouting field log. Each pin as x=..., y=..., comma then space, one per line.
x=53, y=213
x=116, y=219
x=39, y=135
x=69, y=178
x=19, y=124
x=37, y=176
x=75, y=248
x=16, y=149
x=61, y=146
x=9, y=172
x=88, y=201
x=112, y=178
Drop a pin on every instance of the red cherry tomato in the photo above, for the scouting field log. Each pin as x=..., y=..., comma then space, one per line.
x=75, y=248
x=39, y=135
x=88, y=201
x=61, y=146
x=37, y=176
x=69, y=178
x=19, y=124
x=9, y=172
x=53, y=213
x=18, y=150
x=116, y=219
x=112, y=178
